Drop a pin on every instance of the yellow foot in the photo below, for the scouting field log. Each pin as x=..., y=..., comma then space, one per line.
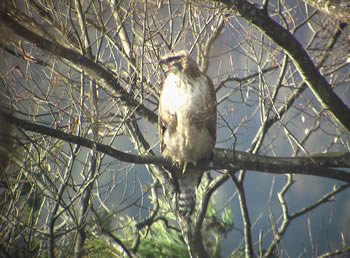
x=185, y=165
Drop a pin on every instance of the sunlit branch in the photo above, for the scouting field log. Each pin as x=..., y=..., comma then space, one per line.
x=309, y=72
x=322, y=165
x=248, y=249
x=287, y=217
x=106, y=78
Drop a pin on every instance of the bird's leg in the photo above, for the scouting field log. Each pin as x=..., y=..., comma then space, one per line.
x=175, y=163
x=186, y=163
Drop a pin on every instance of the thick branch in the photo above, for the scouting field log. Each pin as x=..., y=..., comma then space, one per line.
x=194, y=240
x=284, y=39
x=105, y=78
x=318, y=165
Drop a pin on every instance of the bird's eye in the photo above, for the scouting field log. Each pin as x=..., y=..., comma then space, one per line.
x=178, y=65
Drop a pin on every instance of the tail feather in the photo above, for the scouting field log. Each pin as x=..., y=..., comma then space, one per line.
x=185, y=202
x=185, y=198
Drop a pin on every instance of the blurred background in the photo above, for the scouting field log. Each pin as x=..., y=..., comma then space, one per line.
x=90, y=69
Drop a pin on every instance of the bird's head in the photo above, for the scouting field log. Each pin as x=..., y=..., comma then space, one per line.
x=181, y=61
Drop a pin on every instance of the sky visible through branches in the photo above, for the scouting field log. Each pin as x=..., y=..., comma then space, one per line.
x=80, y=83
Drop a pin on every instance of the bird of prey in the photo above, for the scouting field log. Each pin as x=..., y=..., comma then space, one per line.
x=187, y=124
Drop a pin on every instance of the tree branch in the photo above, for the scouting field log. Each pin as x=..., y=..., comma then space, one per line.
x=318, y=165
x=288, y=218
x=309, y=72
x=106, y=78
x=322, y=165
x=248, y=249
x=333, y=8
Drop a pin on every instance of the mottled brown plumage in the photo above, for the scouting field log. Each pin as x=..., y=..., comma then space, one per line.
x=187, y=122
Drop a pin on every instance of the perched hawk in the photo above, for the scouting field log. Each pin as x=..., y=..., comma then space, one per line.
x=187, y=124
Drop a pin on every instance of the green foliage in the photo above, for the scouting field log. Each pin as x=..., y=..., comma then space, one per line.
x=238, y=253
x=164, y=239
x=156, y=239
x=159, y=241
x=97, y=247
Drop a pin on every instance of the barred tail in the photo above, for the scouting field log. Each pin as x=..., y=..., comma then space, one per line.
x=185, y=198
x=185, y=202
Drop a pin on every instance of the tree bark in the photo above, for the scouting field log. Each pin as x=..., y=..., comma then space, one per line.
x=106, y=79
x=323, y=164
x=284, y=39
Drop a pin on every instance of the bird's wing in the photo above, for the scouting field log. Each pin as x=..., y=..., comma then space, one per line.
x=166, y=121
x=211, y=107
